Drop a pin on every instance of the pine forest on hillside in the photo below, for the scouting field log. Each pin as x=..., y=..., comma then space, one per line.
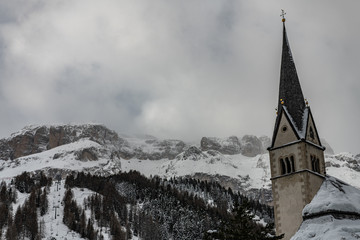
x=131, y=206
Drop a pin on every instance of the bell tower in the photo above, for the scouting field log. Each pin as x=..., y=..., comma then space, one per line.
x=296, y=154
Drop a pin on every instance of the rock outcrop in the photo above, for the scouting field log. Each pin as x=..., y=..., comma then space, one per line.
x=342, y=160
x=152, y=149
x=36, y=139
x=251, y=146
x=248, y=146
x=192, y=153
x=230, y=145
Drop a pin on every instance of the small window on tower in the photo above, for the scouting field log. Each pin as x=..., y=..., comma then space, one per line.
x=288, y=165
x=284, y=128
x=312, y=133
x=317, y=165
x=313, y=167
x=283, y=167
x=292, y=163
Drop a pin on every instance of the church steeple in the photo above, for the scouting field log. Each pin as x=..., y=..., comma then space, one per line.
x=290, y=93
x=297, y=160
x=291, y=99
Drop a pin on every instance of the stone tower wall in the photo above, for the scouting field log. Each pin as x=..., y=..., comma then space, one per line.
x=292, y=191
x=291, y=194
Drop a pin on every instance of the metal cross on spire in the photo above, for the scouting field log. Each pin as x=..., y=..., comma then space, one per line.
x=283, y=13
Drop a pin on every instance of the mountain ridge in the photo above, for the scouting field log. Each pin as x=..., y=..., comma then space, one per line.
x=95, y=149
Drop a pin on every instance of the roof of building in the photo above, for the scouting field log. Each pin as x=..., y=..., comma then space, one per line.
x=336, y=196
x=290, y=90
x=334, y=213
x=328, y=227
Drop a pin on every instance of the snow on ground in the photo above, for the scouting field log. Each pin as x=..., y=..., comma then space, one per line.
x=54, y=226
x=235, y=166
x=21, y=197
x=259, y=220
x=327, y=227
x=146, y=167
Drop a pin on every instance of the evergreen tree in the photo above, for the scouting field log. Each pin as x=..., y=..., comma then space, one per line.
x=90, y=233
x=241, y=226
x=82, y=227
x=44, y=203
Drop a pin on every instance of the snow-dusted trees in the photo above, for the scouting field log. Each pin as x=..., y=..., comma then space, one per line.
x=26, y=182
x=23, y=223
x=242, y=226
x=101, y=211
x=155, y=208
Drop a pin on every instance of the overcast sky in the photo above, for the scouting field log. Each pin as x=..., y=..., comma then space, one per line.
x=177, y=69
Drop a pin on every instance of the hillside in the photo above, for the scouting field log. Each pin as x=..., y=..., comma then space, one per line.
x=123, y=206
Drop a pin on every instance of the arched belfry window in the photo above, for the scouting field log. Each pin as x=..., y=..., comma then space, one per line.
x=287, y=165
x=283, y=167
x=292, y=163
x=315, y=163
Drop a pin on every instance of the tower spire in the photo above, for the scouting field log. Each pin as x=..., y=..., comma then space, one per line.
x=291, y=99
x=290, y=93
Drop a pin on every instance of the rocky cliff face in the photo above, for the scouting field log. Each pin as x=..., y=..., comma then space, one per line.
x=230, y=145
x=36, y=139
x=249, y=145
x=342, y=160
x=151, y=148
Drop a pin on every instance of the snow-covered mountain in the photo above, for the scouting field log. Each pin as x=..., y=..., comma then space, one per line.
x=241, y=164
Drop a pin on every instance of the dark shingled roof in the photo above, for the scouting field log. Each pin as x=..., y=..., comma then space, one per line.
x=290, y=89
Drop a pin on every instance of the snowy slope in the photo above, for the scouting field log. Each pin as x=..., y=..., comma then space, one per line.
x=51, y=224
x=54, y=226
x=344, y=166
x=255, y=169
x=252, y=172
x=64, y=157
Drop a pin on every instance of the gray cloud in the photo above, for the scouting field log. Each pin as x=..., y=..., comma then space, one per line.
x=181, y=69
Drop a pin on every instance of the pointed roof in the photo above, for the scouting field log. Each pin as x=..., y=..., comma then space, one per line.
x=291, y=99
x=290, y=89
